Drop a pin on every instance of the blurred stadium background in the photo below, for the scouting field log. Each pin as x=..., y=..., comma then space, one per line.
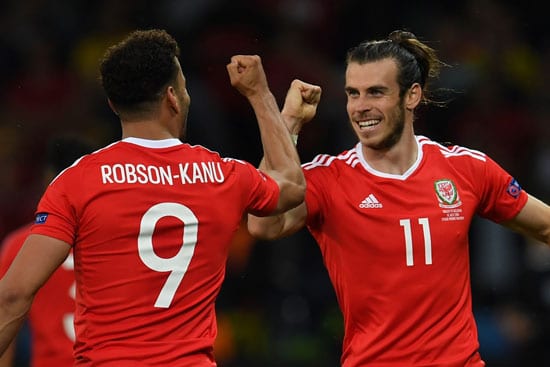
x=277, y=306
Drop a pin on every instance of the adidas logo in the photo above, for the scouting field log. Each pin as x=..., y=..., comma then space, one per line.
x=370, y=202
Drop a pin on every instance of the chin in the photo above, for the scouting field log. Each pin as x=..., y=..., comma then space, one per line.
x=368, y=139
x=375, y=144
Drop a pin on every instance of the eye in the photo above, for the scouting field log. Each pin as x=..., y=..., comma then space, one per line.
x=376, y=92
x=352, y=93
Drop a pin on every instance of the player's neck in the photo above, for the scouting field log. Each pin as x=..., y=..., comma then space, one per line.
x=395, y=160
x=152, y=130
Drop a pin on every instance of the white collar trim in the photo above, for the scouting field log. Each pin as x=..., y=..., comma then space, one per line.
x=375, y=172
x=164, y=143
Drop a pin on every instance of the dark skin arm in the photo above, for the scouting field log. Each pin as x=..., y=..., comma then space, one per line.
x=282, y=162
x=300, y=107
x=31, y=268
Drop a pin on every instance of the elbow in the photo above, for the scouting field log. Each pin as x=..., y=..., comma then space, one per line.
x=257, y=232
x=298, y=185
x=542, y=235
x=300, y=196
x=15, y=303
x=292, y=197
x=298, y=192
x=546, y=238
x=259, y=229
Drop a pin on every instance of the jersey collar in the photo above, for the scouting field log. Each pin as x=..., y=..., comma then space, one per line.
x=375, y=172
x=164, y=143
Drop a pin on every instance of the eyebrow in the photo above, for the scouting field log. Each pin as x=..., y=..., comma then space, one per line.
x=373, y=88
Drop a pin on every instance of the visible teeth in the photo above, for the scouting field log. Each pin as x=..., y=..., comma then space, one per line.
x=368, y=123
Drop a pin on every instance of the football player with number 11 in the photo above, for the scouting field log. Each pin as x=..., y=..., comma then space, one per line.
x=392, y=215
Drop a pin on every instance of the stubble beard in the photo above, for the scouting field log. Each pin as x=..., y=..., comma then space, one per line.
x=397, y=120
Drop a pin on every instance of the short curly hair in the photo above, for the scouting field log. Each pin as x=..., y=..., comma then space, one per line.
x=135, y=71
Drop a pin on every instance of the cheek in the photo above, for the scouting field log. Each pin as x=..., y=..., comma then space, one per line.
x=351, y=107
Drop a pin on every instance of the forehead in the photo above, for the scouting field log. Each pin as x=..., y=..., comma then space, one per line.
x=381, y=73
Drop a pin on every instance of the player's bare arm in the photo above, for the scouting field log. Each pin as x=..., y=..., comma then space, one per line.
x=6, y=359
x=23, y=279
x=533, y=220
x=300, y=107
x=283, y=164
x=278, y=226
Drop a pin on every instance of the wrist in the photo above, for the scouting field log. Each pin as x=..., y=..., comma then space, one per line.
x=260, y=96
x=293, y=123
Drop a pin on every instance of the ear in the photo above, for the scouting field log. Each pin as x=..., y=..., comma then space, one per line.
x=112, y=106
x=172, y=99
x=413, y=97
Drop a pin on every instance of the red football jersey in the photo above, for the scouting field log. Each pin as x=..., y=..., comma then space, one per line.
x=396, y=250
x=52, y=312
x=150, y=223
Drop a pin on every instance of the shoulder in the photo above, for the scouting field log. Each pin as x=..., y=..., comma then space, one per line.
x=231, y=167
x=450, y=151
x=226, y=161
x=215, y=156
x=335, y=163
x=201, y=149
x=79, y=167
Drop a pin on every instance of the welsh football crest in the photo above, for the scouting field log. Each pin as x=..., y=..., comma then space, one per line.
x=447, y=193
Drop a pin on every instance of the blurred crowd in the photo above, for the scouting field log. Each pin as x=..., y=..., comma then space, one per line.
x=277, y=306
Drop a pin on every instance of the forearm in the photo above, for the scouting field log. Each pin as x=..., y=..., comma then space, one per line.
x=280, y=156
x=533, y=220
x=13, y=312
x=294, y=126
x=247, y=75
x=540, y=222
x=293, y=123
x=6, y=359
x=278, y=226
x=265, y=228
x=277, y=143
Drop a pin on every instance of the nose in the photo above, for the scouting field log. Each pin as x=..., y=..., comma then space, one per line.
x=362, y=104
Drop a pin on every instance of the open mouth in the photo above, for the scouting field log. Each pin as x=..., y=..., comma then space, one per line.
x=368, y=123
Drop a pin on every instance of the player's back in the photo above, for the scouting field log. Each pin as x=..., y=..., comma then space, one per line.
x=154, y=224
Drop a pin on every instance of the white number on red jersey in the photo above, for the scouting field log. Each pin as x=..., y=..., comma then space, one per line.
x=68, y=318
x=177, y=265
x=409, y=253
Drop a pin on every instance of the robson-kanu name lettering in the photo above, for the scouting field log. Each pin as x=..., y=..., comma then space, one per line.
x=184, y=173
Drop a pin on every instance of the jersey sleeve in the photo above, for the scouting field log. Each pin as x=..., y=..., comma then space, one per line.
x=55, y=215
x=316, y=193
x=263, y=191
x=502, y=197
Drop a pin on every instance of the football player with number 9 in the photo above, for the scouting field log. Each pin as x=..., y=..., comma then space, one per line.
x=150, y=218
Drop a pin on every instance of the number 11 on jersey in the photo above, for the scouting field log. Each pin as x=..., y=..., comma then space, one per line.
x=424, y=222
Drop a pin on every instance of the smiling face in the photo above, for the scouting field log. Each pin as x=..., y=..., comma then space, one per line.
x=376, y=111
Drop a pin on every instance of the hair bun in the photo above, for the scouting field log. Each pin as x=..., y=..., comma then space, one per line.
x=399, y=36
